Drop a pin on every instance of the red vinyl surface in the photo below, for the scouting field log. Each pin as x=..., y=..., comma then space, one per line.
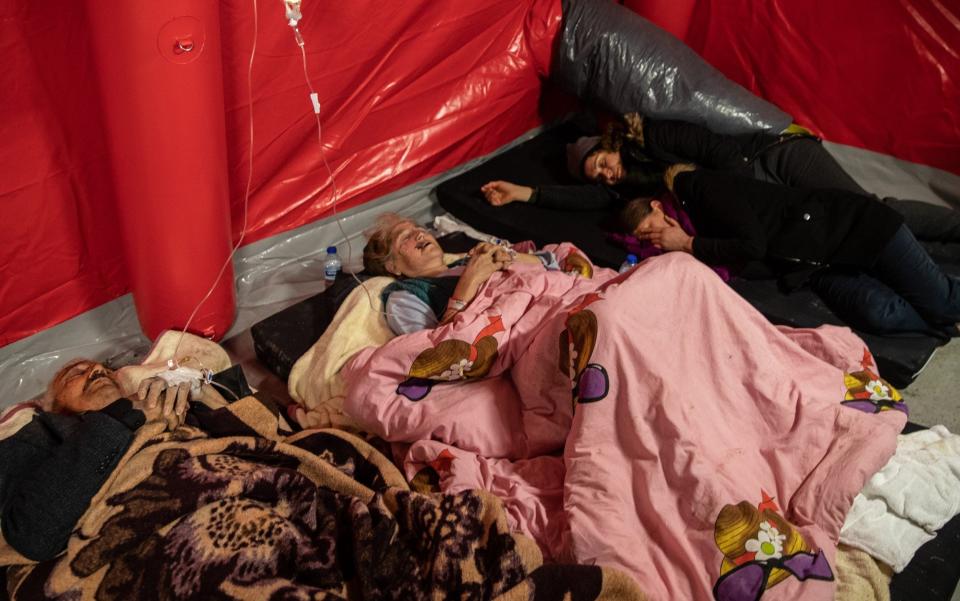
x=162, y=100
x=408, y=90
x=877, y=74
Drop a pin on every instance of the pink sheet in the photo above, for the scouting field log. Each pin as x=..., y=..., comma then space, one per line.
x=705, y=451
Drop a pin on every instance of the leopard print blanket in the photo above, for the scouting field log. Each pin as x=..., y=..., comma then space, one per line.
x=252, y=513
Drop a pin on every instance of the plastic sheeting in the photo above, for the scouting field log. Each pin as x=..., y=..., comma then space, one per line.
x=883, y=75
x=612, y=58
x=407, y=90
x=271, y=274
x=59, y=251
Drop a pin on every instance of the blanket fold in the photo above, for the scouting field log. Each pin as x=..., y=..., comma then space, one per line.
x=704, y=449
x=320, y=514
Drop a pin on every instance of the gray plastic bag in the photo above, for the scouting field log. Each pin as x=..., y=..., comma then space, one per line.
x=615, y=59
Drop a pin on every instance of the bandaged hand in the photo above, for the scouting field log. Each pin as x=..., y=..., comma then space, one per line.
x=669, y=238
x=499, y=193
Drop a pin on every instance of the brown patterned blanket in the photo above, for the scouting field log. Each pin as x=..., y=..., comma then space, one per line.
x=250, y=513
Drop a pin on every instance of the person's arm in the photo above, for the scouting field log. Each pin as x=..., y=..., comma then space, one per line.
x=547, y=258
x=564, y=198
x=719, y=202
x=406, y=313
x=589, y=197
x=52, y=468
x=680, y=141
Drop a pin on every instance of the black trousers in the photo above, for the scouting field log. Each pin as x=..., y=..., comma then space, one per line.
x=805, y=163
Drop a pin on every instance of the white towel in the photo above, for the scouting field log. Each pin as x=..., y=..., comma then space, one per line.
x=906, y=502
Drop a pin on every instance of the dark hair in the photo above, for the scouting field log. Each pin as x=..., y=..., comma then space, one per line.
x=635, y=212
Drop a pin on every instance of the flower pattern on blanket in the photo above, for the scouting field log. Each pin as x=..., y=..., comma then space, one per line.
x=427, y=479
x=868, y=392
x=452, y=360
x=576, y=264
x=577, y=341
x=760, y=550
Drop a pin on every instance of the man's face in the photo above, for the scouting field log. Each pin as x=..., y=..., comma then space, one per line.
x=85, y=386
x=414, y=251
x=604, y=167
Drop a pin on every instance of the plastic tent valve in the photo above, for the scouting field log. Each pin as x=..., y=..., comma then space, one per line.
x=162, y=97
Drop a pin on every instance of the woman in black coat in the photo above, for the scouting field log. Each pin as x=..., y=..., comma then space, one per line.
x=856, y=253
x=630, y=159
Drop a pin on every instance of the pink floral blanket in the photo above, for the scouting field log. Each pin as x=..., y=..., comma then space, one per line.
x=705, y=451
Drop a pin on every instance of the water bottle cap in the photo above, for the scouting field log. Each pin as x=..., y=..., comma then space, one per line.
x=331, y=250
x=631, y=258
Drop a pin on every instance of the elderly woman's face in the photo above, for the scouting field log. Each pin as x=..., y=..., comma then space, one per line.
x=85, y=386
x=414, y=252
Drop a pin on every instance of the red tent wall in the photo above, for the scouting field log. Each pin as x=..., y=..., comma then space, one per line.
x=59, y=251
x=409, y=90
x=877, y=74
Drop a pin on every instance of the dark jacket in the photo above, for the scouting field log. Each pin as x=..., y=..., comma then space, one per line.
x=665, y=143
x=739, y=220
x=52, y=467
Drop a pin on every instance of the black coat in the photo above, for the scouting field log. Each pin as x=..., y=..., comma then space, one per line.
x=739, y=220
x=665, y=143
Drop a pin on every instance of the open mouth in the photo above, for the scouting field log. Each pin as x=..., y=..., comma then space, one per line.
x=423, y=244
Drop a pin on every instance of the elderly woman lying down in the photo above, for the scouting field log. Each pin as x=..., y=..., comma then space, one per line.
x=705, y=451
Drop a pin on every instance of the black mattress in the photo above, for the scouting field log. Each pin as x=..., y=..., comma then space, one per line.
x=541, y=161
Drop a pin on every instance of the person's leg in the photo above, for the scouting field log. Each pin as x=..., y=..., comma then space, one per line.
x=804, y=163
x=866, y=303
x=937, y=227
x=905, y=267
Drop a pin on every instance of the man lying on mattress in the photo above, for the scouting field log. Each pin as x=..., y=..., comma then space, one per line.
x=629, y=160
x=53, y=465
x=705, y=451
x=140, y=497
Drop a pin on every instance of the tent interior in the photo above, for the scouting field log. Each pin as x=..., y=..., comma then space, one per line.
x=184, y=165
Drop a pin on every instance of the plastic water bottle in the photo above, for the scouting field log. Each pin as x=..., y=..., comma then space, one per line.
x=629, y=263
x=331, y=264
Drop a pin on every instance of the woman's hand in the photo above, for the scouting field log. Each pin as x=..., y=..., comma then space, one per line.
x=673, y=170
x=669, y=238
x=485, y=259
x=160, y=401
x=500, y=193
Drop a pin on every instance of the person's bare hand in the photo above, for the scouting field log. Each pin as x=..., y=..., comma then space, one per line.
x=503, y=255
x=499, y=193
x=160, y=401
x=211, y=397
x=482, y=247
x=669, y=238
x=673, y=170
x=484, y=262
